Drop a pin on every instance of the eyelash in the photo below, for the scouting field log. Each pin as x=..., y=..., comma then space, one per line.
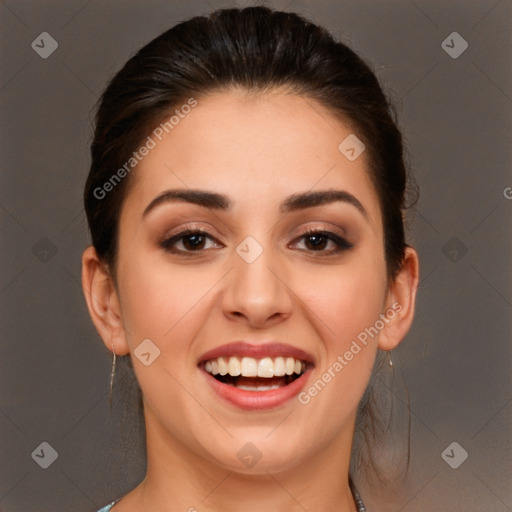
x=341, y=243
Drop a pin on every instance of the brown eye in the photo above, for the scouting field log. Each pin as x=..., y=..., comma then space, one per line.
x=317, y=241
x=194, y=242
x=190, y=241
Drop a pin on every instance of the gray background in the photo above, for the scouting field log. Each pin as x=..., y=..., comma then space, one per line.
x=456, y=361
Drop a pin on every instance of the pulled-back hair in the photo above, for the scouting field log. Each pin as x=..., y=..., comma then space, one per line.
x=255, y=49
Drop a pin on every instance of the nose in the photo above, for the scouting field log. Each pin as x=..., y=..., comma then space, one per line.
x=258, y=293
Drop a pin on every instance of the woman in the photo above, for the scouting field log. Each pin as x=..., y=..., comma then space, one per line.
x=245, y=204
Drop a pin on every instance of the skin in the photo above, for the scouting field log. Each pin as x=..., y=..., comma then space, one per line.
x=256, y=149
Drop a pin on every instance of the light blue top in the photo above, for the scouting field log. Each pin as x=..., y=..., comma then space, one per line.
x=108, y=507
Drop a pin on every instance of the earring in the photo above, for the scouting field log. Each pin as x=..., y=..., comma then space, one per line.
x=389, y=357
x=112, y=374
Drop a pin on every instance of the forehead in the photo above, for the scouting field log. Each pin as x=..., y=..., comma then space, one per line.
x=256, y=148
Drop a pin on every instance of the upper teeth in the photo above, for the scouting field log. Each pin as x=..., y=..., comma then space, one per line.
x=249, y=367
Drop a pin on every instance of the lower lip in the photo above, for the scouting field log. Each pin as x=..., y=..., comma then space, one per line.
x=257, y=400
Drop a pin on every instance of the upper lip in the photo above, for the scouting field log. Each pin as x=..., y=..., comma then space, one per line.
x=257, y=351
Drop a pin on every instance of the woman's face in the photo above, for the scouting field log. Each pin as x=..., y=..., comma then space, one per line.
x=255, y=290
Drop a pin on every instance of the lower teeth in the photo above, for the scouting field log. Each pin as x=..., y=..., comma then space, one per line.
x=256, y=384
x=258, y=388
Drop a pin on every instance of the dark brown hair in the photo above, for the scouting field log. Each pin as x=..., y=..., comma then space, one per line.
x=256, y=49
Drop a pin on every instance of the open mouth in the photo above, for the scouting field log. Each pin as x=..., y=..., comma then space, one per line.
x=251, y=374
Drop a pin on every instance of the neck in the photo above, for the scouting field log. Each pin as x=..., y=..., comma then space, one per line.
x=180, y=478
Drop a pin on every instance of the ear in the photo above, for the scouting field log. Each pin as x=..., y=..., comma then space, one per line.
x=400, y=302
x=103, y=302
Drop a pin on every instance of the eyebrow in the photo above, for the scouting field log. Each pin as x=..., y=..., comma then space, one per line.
x=292, y=203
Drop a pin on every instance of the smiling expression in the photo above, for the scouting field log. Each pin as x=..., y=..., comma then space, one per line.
x=251, y=253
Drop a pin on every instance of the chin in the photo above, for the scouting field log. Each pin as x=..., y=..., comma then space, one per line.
x=254, y=452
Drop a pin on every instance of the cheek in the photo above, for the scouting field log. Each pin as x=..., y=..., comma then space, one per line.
x=167, y=308
x=157, y=298
x=344, y=300
x=344, y=304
